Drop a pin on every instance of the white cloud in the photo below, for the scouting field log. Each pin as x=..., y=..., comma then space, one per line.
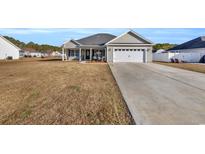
x=25, y=31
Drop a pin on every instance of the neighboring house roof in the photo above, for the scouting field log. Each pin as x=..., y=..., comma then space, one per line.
x=195, y=43
x=10, y=42
x=97, y=39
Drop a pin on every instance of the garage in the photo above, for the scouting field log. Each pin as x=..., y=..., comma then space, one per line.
x=128, y=55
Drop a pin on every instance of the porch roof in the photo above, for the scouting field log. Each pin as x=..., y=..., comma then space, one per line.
x=91, y=46
x=87, y=47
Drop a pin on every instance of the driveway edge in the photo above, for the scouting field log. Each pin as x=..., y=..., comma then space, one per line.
x=128, y=108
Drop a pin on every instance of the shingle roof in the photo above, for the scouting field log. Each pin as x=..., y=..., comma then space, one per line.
x=195, y=43
x=97, y=39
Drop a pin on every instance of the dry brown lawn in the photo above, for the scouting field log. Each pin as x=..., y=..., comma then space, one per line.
x=191, y=67
x=55, y=92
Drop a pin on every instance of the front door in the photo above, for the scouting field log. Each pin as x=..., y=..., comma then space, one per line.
x=87, y=54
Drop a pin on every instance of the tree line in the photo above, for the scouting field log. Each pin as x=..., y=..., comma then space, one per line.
x=31, y=46
x=164, y=46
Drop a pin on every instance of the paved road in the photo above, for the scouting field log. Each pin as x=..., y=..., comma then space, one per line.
x=157, y=94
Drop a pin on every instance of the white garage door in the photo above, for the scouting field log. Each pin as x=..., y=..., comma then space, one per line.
x=128, y=55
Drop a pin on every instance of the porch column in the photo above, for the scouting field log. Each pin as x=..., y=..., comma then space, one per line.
x=106, y=54
x=63, y=54
x=145, y=52
x=90, y=53
x=79, y=54
x=66, y=55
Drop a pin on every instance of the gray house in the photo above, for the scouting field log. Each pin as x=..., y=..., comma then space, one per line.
x=191, y=51
x=195, y=45
x=128, y=47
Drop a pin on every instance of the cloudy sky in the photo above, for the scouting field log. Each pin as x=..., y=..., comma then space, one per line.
x=58, y=36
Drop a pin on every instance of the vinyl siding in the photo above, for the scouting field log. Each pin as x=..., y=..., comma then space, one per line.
x=128, y=39
x=198, y=50
x=69, y=44
x=7, y=49
x=109, y=54
x=149, y=55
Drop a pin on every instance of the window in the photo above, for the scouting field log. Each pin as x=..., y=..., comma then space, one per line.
x=119, y=49
x=138, y=49
x=135, y=49
x=87, y=53
x=123, y=49
x=71, y=53
x=77, y=53
x=143, y=49
x=127, y=49
x=115, y=49
x=130, y=49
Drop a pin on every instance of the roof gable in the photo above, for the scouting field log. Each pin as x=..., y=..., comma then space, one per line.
x=7, y=41
x=195, y=43
x=130, y=37
x=70, y=44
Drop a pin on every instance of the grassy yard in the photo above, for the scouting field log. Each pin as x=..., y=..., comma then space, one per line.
x=186, y=66
x=55, y=92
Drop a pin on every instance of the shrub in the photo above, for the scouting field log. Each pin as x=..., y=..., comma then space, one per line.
x=9, y=58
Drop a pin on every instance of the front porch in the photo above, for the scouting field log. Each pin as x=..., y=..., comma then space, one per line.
x=84, y=54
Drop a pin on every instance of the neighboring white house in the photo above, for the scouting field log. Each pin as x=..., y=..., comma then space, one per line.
x=56, y=54
x=160, y=51
x=128, y=47
x=36, y=54
x=8, y=49
x=33, y=54
x=192, y=52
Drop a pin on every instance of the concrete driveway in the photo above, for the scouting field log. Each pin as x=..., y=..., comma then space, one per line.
x=157, y=94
